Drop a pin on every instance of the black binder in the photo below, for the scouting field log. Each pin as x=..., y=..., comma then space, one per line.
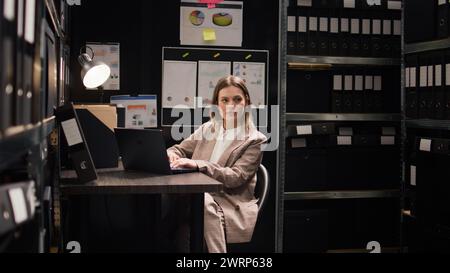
x=100, y=140
x=51, y=97
x=439, y=86
x=378, y=92
x=344, y=39
x=387, y=38
x=313, y=29
x=8, y=30
x=334, y=36
x=348, y=93
x=366, y=40
x=292, y=30
x=337, y=105
x=419, y=20
x=77, y=147
x=412, y=98
x=368, y=93
x=323, y=38
x=302, y=35
x=424, y=93
x=358, y=94
x=447, y=85
x=355, y=37
x=20, y=93
x=377, y=43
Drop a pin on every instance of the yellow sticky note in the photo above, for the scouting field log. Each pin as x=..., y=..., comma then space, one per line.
x=209, y=34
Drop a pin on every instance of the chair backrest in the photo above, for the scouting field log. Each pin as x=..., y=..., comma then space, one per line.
x=262, y=187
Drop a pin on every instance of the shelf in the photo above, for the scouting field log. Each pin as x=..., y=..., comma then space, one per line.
x=341, y=117
x=427, y=46
x=330, y=60
x=16, y=141
x=322, y=195
x=54, y=16
x=428, y=124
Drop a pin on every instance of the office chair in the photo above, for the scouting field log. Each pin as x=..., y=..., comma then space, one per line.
x=262, y=188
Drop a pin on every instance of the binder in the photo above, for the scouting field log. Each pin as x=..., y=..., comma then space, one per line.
x=355, y=37
x=313, y=28
x=412, y=98
x=396, y=40
x=442, y=14
x=366, y=43
x=423, y=87
x=358, y=94
x=334, y=36
x=447, y=85
x=7, y=61
x=387, y=39
x=377, y=49
x=302, y=35
x=337, y=94
x=323, y=38
x=28, y=61
x=312, y=129
x=344, y=40
x=348, y=94
x=368, y=91
x=439, y=87
x=52, y=72
x=429, y=100
x=98, y=123
x=19, y=94
x=378, y=93
x=292, y=30
x=76, y=142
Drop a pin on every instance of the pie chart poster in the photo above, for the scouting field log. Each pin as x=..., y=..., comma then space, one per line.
x=197, y=22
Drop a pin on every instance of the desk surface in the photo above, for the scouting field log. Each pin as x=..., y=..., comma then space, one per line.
x=118, y=181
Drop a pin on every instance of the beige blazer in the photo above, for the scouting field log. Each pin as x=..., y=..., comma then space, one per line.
x=236, y=169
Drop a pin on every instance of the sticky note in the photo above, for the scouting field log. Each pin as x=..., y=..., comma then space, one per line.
x=209, y=34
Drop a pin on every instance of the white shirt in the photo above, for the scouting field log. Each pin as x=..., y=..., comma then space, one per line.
x=224, y=140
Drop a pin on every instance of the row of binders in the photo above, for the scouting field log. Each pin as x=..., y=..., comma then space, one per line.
x=426, y=20
x=22, y=100
x=350, y=4
x=427, y=85
x=367, y=90
x=345, y=32
x=330, y=156
x=320, y=135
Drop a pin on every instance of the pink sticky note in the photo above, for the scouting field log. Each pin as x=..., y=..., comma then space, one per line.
x=211, y=5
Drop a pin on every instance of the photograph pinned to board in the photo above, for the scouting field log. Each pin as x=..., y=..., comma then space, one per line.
x=140, y=111
x=254, y=75
x=209, y=73
x=219, y=26
x=179, y=84
x=109, y=53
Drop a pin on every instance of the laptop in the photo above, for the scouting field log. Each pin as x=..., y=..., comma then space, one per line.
x=145, y=150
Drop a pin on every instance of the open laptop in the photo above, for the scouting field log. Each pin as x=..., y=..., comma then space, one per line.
x=145, y=150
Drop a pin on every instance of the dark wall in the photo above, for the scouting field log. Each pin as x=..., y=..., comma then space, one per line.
x=142, y=28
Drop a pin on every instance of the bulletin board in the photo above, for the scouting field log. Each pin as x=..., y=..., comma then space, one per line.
x=189, y=76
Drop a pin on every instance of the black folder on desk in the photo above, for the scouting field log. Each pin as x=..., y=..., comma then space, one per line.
x=77, y=147
x=100, y=139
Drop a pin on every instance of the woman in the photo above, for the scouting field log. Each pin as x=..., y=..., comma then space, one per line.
x=228, y=149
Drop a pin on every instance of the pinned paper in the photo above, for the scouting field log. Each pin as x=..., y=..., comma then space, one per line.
x=211, y=3
x=209, y=34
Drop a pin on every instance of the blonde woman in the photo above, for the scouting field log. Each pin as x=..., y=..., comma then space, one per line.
x=228, y=149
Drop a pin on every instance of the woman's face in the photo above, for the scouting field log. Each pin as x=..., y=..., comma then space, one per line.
x=231, y=102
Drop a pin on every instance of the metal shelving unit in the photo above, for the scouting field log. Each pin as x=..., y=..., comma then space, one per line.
x=427, y=46
x=288, y=62
x=334, y=60
x=341, y=117
x=321, y=195
x=428, y=124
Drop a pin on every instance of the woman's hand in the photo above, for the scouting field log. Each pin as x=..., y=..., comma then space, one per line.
x=184, y=163
x=172, y=157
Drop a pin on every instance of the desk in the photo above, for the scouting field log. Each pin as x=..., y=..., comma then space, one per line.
x=119, y=182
